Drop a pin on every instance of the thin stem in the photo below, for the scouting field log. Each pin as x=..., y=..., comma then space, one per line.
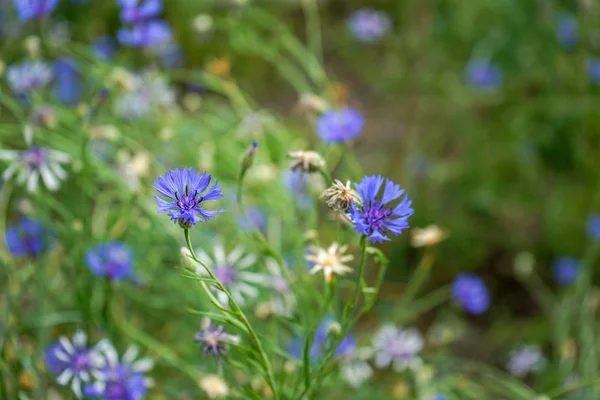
x=419, y=277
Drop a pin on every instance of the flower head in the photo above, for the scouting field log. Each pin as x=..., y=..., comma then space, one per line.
x=483, y=74
x=27, y=76
x=399, y=347
x=213, y=339
x=471, y=292
x=524, y=360
x=145, y=34
x=34, y=9
x=113, y=260
x=375, y=215
x=318, y=346
x=340, y=196
x=566, y=270
x=25, y=239
x=133, y=12
x=593, y=226
x=67, y=82
x=306, y=161
x=185, y=191
x=73, y=362
x=339, y=126
x=566, y=31
x=214, y=386
x=428, y=236
x=330, y=261
x=368, y=25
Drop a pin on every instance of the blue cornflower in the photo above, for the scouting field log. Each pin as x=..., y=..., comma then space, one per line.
x=145, y=34
x=341, y=125
x=440, y=397
x=27, y=76
x=565, y=270
x=369, y=25
x=483, y=74
x=34, y=9
x=471, y=292
x=104, y=48
x=183, y=188
x=67, y=82
x=113, y=260
x=347, y=345
x=25, y=239
x=375, y=216
x=593, y=226
x=133, y=12
x=593, y=69
x=566, y=31
x=120, y=379
x=71, y=361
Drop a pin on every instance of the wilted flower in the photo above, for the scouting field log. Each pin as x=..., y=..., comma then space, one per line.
x=330, y=261
x=35, y=162
x=306, y=161
x=133, y=12
x=214, y=386
x=184, y=190
x=145, y=34
x=73, y=362
x=375, y=216
x=213, y=339
x=483, y=74
x=340, y=125
x=104, y=48
x=566, y=31
x=113, y=260
x=122, y=379
x=566, y=270
x=399, y=347
x=27, y=76
x=231, y=270
x=525, y=360
x=340, y=196
x=67, y=82
x=43, y=116
x=369, y=25
x=346, y=345
x=593, y=226
x=428, y=236
x=34, y=9
x=471, y=293
x=25, y=238
x=593, y=69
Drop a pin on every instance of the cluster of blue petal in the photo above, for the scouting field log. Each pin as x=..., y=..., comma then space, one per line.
x=471, y=293
x=317, y=348
x=112, y=260
x=26, y=238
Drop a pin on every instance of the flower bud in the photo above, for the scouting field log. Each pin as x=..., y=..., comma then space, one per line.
x=248, y=158
x=306, y=161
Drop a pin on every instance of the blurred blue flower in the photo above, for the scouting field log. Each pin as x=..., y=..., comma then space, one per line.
x=565, y=270
x=67, y=82
x=341, y=125
x=297, y=184
x=375, y=216
x=369, y=25
x=471, y=292
x=255, y=218
x=566, y=31
x=346, y=345
x=134, y=12
x=113, y=260
x=525, y=360
x=25, y=239
x=440, y=397
x=183, y=189
x=27, y=76
x=34, y=9
x=72, y=362
x=104, y=48
x=593, y=226
x=593, y=69
x=169, y=54
x=483, y=74
x=145, y=34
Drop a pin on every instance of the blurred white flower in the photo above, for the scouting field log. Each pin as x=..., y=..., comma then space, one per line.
x=27, y=76
x=150, y=93
x=214, y=386
x=525, y=360
x=399, y=347
x=428, y=236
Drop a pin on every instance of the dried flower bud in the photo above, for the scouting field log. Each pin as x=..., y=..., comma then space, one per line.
x=306, y=161
x=334, y=329
x=340, y=196
x=428, y=236
x=248, y=158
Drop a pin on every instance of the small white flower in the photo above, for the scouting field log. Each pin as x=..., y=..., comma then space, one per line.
x=330, y=261
x=27, y=76
x=355, y=368
x=399, y=347
x=524, y=360
x=214, y=386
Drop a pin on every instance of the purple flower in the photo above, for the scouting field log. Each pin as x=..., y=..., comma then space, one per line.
x=214, y=340
x=183, y=189
x=566, y=31
x=338, y=126
x=27, y=76
x=593, y=69
x=440, y=397
x=565, y=270
x=397, y=347
x=483, y=74
x=471, y=292
x=72, y=361
x=133, y=12
x=34, y=9
x=347, y=345
x=593, y=226
x=67, y=81
x=297, y=184
x=25, y=239
x=368, y=25
x=113, y=260
x=376, y=216
x=145, y=34
x=254, y=218
x=104, y=48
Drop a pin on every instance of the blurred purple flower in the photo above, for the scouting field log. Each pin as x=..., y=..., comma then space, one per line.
x=593, y=226
x=565, y=270
x=27, y=76
x=67, y=82
x=368, y=25
x=134, y=12
x=104, y=48
x=341, y=125
x=113, y=260
x=593, y=69
x=34, y=9
x=169, y=54
x=145, y=34
x=566, y=31
x=398, y=347
x=470, y=291
x=375, y=216
x=347, y=344
x=214, y=340
x=25, y=239
x=483, y=74
x=525, y=360
x=255, y=218
x=297, y=184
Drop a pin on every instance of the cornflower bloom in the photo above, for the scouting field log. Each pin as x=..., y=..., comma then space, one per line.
x=145, y=34
x=368, y=25
x=113, y=260
x=471, y=293
x=27, y=76
x=25, y=239
x=593, y=226
x=566, y=31
x=213, y=339
x=483, y=74
x=566, y=270
x=330, y=261
x=339, y=126
x=593, y=69
x=525, y=360
x=67, y=82
x=375, y=215
x=184, y=190
x=399, y=347
x=134, y=12
x=34, y=9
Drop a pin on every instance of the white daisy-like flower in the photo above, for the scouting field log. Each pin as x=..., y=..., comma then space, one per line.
x=232, y=271
x=27, y=76
x=330, y=261
x=525, y=360
x=399, y=347
x=214, y=386
x=149, y=93
x=35, y=162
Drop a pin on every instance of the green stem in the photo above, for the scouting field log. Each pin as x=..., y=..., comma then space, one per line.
x=419, y=277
